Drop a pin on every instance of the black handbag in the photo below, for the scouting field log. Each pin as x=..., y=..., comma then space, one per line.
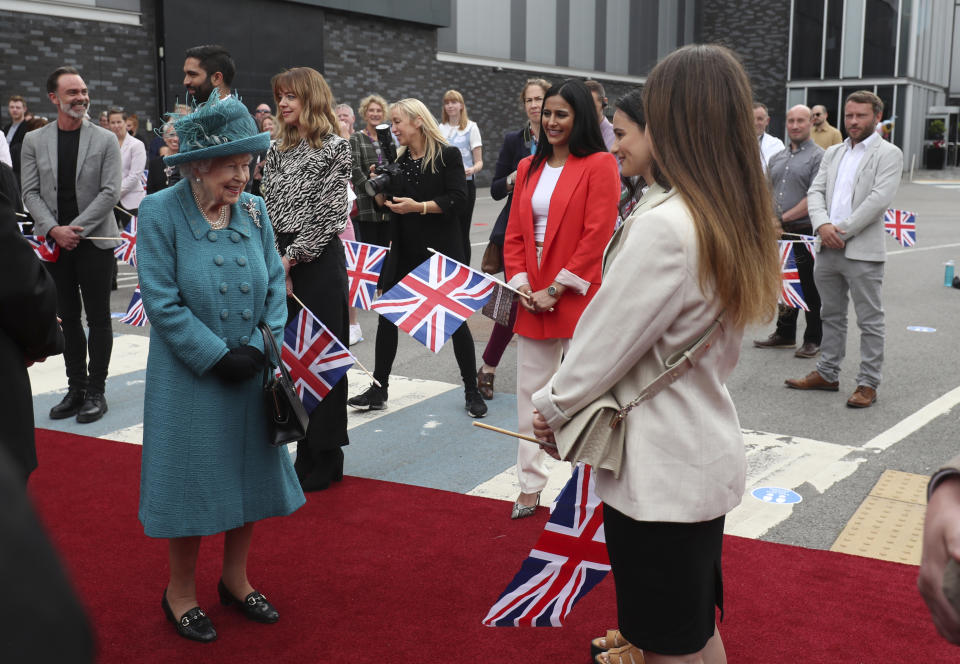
x=288, y=418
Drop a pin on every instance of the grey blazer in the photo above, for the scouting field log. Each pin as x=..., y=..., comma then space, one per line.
x=99, y=173
x=877, y=181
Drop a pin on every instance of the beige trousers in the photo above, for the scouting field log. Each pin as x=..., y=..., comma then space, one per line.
x=537, y=361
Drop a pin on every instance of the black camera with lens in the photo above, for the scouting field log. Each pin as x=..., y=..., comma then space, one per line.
x=387, y=178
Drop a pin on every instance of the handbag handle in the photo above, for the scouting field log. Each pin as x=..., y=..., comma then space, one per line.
x=270, y=344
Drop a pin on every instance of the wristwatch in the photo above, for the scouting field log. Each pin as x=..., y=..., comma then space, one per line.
x=552, y=291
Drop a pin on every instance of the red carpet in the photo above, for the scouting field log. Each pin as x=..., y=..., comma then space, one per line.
x=376, y=572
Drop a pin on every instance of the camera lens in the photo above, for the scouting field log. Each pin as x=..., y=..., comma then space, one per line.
x=377, y=184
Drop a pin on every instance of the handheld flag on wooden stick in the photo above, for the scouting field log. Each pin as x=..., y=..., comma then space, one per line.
x=791, y=294
x=568, y=560
x=364, y=263
x=902, y=225
x=435, y=299
x=136, y=316
x=314, y=357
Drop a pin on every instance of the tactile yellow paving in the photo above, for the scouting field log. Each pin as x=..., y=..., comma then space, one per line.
x=889, y=524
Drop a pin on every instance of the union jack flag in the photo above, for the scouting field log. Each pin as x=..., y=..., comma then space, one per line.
x=791, y=294
x=136, y=316
x=364, y=263
x=810, y=242
x=46, y=249
x=567, y=561
x=902, y=225
x=314, y=357
x=127, y=250
x=434, y=300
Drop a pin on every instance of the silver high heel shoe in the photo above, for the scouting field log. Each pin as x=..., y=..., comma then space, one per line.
x=521, y=511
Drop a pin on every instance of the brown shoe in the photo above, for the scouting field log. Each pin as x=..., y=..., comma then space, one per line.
x=812, y=381
x=808, y=349
x=863, y=397
x=485, y=384
x=774, y=341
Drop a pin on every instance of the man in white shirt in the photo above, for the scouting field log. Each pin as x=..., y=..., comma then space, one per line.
x=856, y=183
x=769, y=145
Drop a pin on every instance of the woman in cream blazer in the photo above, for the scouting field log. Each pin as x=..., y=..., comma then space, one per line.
x=683, y=257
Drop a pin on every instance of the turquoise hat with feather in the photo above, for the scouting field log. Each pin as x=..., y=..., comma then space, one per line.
x=217, y=128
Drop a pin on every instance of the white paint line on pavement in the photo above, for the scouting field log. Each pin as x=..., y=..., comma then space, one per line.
x=506, y=486
x=787, y=462
x=129, y=355
x=915, y=422
x=401, y=393
x=913, y=250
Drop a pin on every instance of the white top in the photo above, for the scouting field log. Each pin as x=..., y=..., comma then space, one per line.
x=5, y=154
x=133, y=156
x=464, y=140
x=769, y=146
x=540, y=201
x=841, y=204
x=12, y=130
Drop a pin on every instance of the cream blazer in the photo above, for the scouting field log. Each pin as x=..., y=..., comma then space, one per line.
x=684, y=458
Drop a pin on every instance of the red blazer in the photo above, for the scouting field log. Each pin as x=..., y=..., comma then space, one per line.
x=583, y=212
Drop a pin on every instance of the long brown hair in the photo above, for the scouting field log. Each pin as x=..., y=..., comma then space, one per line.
x=697, y=102
x=316, y=107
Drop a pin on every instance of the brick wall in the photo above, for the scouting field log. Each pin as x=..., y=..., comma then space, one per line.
x=117, y=62
x=759, y=31
x=397, y=60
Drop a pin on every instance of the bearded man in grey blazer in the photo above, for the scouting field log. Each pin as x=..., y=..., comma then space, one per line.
x=71, y=173
x=855, y=185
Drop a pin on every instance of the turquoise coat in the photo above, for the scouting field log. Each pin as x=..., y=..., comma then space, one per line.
x=207, y=466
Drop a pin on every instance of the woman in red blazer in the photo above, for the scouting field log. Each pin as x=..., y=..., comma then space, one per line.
x=562, y=216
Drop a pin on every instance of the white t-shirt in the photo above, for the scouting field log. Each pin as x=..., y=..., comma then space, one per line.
x=464, y=140
x=540, y=201
x=841, y=203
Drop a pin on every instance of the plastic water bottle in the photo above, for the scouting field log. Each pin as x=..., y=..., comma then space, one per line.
x=948, y=273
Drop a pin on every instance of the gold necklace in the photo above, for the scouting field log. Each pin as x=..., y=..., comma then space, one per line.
x=221, y=221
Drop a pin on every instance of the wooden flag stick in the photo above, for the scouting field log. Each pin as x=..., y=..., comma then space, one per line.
x=94, y=237
x=796, y=235
x=488, y=276
x=20, y=214
x=117, y=207
x=513, y=434
x=355, y=360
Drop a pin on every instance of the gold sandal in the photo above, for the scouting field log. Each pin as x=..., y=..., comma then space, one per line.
x=613, y=639
x=628, y=654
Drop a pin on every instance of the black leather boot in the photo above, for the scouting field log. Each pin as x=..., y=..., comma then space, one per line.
x=93, y=408
x=70, y=404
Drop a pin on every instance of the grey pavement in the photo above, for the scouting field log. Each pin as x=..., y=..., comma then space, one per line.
x=433, y=445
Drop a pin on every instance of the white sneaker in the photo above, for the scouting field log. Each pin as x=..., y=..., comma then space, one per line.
x=356, y=336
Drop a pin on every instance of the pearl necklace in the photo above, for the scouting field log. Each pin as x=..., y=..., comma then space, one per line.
x=221, y=221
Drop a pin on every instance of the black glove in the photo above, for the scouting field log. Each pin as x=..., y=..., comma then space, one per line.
x=239, y=364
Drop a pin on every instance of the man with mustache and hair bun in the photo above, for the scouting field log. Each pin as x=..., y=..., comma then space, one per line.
x=71, y=173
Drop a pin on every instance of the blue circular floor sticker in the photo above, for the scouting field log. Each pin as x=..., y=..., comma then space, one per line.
x=921, y=328
x=776, y=495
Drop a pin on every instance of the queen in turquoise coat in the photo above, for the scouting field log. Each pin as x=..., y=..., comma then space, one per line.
x=209, y=274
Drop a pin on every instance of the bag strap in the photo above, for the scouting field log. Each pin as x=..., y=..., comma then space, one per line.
x=676, y=365
x=270, y=344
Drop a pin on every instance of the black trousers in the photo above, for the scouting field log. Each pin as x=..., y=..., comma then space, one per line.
x=385, y=352
x=84, y=275
x=466, y=219
x=373, y=232
x=787, y=319
x=322, y=285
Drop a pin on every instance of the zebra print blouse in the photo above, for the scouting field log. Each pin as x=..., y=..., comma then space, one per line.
x=305, y=190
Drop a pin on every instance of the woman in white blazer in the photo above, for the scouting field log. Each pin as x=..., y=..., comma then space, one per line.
x=705, y=247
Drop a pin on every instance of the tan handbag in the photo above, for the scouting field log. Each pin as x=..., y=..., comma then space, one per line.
x=492, y=261
x=594, y=435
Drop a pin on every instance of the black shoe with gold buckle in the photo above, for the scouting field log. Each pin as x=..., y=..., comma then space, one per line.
x=193, y=625
x=254, y=606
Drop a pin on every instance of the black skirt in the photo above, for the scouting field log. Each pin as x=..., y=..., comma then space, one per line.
x=322, y=285
x=668, y=580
